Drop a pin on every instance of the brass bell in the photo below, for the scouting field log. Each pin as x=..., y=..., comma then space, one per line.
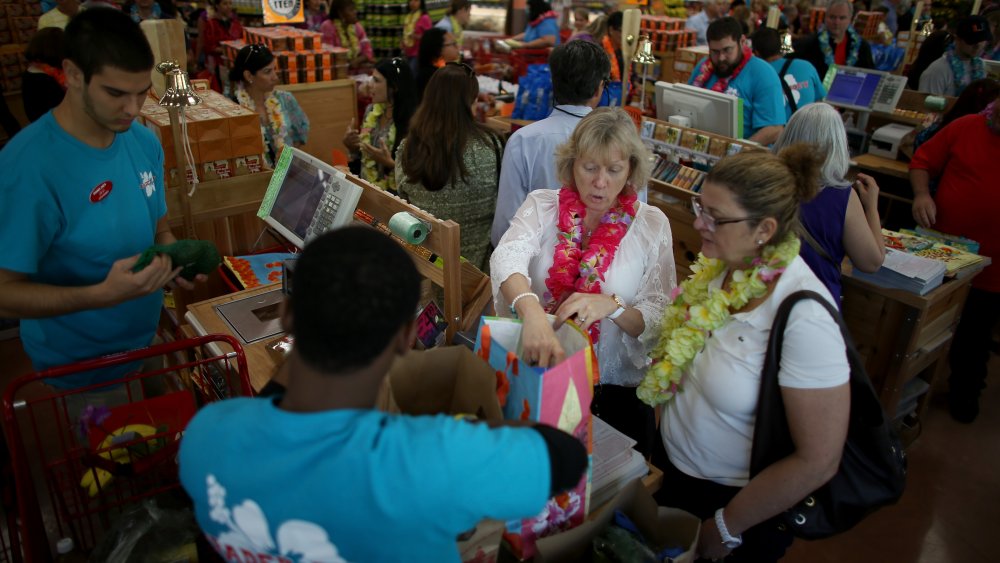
x=644, y=52
x=786, y=44
x=178, y=92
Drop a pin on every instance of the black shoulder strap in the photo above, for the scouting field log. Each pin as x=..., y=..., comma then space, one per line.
x=784, y=85
x=771, y=438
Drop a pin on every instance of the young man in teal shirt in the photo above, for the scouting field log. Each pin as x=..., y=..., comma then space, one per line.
x=801, y=85
x=732, y=69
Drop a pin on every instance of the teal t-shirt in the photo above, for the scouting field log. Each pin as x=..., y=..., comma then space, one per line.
x=353, y=485
x=68, y=211
x=802, y=80
x=757, y=84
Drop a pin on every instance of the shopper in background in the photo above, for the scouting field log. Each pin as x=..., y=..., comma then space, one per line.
x=282, y=122
x=417, y=22
x=732, y=69
x=700, y=13
x=581, y=19
x=315, y=14
x=437, y=48
x=96, y=201
x=962, y=62
x=385, y=124
x=579, y=71
x=217, y=24
x=456, y=20
x=612, y=44
x=963, y=157
x=542, y=30
x=349, y=474
x=836, y=43
x=842, y=219
x=141, y=10
x=449, y=164
x=931, y=49
x=747, y=214
x=60, y=15
x=590, y=251
x=43, y=84
x=344, y=30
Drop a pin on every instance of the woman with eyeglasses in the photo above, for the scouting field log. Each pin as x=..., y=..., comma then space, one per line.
x=437, y=48
x=709, y=354
x=253, y=79
x=843, y=217
x=449, y=164
x=344, y=30
x=385, y=124
x=217, y=24
x=590, y=251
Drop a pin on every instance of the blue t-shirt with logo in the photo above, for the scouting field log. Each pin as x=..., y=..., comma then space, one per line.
x=757, y=84
x=353, y=485
x=802, y=80
x=68, y=211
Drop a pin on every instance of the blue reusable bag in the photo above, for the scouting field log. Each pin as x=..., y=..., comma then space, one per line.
x=534, y=94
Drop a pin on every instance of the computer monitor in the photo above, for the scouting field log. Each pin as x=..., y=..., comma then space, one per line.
x=708, y=110
x=307, y=197
x=992, y=69
x=863, y=89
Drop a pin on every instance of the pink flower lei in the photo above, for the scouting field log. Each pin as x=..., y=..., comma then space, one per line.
x=578, y=269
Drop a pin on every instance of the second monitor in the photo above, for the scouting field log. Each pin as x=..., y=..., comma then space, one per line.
x=710, y=111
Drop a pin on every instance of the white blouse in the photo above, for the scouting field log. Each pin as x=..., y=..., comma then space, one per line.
x=642, y=274
x=707, y=429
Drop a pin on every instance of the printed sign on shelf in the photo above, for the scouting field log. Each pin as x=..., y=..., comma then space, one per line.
x=283, y=11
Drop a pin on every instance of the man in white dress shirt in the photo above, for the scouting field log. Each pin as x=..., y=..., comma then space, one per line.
x=579, y=70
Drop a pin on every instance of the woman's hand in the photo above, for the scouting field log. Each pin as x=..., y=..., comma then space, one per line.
x=867, y=190
x=380, y=155
x=539, y=345
x=710, y=544
x=352, y=140
x=587, y=307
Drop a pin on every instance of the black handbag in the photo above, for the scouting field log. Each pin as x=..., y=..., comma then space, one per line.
x=872, y=469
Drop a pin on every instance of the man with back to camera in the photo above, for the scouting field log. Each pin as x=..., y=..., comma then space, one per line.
x=700, y=14
x=731, y=68
x=799, y=82
x=836, y=43
x=962, y=62
x=579, y=70
x=344, y=476
x=81, y=196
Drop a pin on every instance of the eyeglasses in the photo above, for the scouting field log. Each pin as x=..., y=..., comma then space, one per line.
x=469, y=71
x=711, y=223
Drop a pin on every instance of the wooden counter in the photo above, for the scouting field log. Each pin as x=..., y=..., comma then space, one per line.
x=869, y=163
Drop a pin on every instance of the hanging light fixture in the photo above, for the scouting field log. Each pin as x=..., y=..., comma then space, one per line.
x=643, y=56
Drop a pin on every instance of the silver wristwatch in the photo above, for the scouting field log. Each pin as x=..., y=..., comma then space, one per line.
x=728, y=540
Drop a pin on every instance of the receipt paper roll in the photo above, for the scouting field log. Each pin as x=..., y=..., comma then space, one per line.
x=409, y=228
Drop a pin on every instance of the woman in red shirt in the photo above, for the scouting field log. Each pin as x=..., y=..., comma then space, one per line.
x=219, y=23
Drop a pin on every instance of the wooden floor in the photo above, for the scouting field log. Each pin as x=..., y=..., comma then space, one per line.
x=950, y=510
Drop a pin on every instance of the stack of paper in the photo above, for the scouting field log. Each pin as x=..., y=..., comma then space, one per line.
x=908, y=272
x=615, y=463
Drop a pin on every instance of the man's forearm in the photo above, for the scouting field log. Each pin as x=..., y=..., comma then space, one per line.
x=24, y=299
x=920, y=181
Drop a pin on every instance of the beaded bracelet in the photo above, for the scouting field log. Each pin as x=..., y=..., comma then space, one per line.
x=514, y=301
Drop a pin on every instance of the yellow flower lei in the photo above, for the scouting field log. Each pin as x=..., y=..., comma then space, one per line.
x=697, y=310
x=275, y=117
x=372, y=171
x=349, y=38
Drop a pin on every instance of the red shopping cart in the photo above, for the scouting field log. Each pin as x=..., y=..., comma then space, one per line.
x=81, y=457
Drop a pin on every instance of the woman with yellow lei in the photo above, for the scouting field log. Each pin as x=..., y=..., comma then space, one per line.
x=344, y=30
x=385, y=124
x=707, y=364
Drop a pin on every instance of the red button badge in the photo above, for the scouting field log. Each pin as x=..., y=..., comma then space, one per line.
x=100, y=192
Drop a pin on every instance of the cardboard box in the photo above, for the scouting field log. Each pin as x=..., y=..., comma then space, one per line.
x=659, y=525
x=213, y=150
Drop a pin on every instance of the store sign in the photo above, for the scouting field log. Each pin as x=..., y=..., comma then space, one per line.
x=283, y=11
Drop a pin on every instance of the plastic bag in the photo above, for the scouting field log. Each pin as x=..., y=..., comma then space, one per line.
x=148, y=532
x=534, y=94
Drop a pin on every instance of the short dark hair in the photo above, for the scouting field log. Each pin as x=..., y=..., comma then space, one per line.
x=578, y=68
x=537, y=8
x=251, y=57
x=353, y=289
x=723, y=28
x=615, y=20
x=48, y=46
x=766, y=42
x=101, y=37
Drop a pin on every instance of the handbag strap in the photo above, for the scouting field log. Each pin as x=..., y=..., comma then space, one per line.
x=784, y=85
x=771, y=437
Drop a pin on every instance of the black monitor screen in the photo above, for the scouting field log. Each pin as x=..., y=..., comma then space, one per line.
x=299, y=196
